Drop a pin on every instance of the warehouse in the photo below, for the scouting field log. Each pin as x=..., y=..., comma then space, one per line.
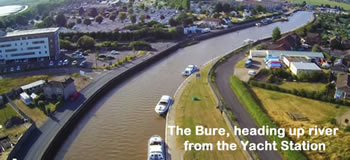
x=289, y=59
x=299, y=67
x=278, y=53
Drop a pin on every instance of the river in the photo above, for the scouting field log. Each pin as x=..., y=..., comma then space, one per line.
x=120, y=124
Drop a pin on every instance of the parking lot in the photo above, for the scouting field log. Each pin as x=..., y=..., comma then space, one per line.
x=242, y=72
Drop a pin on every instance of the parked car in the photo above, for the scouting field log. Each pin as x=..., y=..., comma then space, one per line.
x=83, y=64
x=190, y=69
x=251, y=72
x=42, y=59
x=12, y=69
x=51, y=63
x=25, y=60
x=65, y=62
x=60, y=63
x=114, y=52
x=18, y=68
x=75, y=62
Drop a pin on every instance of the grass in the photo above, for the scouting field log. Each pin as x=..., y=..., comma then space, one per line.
x=277, y=104
x=7, y=84
x=6, y=112
x=324, y=2
x=254, y=109
x=241, y=64
x=303, y=85
x=34, y=113
x=190, y=113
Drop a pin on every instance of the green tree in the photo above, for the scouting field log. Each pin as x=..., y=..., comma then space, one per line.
x=122, y=16
x=86, y=42
x=276, y=34
x=70, y=24
x=259, y=8
x=335, y=44
x=114, y=45
x=316, y=48
x=218, y=7
x=99, y=19
x=78, y=21
x=226, y=7
x=112, y=17
x=130, y=11
x=66, y=44
x=48, y=21
x=93, y=12
x=61, y=20
x=133, y=18
x=172, y=22
x=87, y=21
x=142, y=18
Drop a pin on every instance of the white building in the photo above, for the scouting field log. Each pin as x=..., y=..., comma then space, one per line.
x=33, y=87
x=25, y=98
x=280, y=53
x=299, y=67
x=30, y=44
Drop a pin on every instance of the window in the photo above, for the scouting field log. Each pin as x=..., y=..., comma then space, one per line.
x=5, y=45
x=23, y=54
x=46, y=52
x=39, y=52
x=38, y=42
x=11, y=50
x=31, y=48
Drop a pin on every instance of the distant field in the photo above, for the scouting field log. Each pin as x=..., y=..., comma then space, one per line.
x=319, y=2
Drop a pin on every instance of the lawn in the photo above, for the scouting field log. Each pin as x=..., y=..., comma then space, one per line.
x=190, y=113
x=303, y=85
x=34, y=113
x=319, y=2
x=241, y=63
x=7, y=84
x=6, y=112
x=277, y=104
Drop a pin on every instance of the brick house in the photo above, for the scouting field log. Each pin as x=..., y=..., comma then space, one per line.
x=54, y=89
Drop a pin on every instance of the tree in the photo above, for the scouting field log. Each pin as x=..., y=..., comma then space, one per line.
x=316, y=48
x=122, y=16
x=335, y=44
x=99, y=19
x=226, y=7
x=48, y=21
x=81, y=11
x=259, y=8
x=61, y=20
x=92, y=12
x=21, y=19
x=86, y=42
x=130, y=11
x=218, y=7
x=142, y=18
x=78, y=21
x=66, y=45
x=71, y=24
x=87, y=21
x=114, y=45
x=112, y=17
x=133, y=18
x=276, y=34
x=172, y=22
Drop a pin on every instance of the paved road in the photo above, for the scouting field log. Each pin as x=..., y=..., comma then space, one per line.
x=223, y=74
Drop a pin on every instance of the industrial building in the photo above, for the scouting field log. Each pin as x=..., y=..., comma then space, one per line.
x=287, y=60
x=30, y=44
x=299, y=67
x=278, y=53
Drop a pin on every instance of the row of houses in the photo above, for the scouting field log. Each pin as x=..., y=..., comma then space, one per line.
x=50, y=90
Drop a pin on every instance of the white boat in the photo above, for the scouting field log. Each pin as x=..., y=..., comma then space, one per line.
x=190, y=69
x=248, y=41
x=156, y=150
x=163, y=105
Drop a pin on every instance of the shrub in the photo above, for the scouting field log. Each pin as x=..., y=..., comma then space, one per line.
x=332, y=121
x=347, y=129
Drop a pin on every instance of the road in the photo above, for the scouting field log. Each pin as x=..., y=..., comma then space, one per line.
x=223, y=74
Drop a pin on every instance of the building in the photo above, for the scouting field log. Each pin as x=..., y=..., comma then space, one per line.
x=33, y=87
x=289, y=42
x=5, y=144
x=30, y=44
x=190, y=29
x=299, y=67
x=55, y=89
x=210, y=22
x=25, y=98
x=342, y=87
x=280, y=54
x=287, y=60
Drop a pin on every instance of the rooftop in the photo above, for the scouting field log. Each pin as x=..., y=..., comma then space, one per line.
x=34, y=84
x=278, y=53
x=308, y=66
x=297, y=58
x=30, y=32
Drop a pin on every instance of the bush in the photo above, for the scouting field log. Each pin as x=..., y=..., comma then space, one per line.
x=86, y=42
x=140, y=45
x=347, y=129
x=332, y=121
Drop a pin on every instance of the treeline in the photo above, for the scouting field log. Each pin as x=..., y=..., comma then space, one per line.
x=179, y=4
x=142, y=34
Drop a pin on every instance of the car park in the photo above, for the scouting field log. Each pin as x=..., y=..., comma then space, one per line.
x=51, y=63
x=83, y=64
x=18, y=68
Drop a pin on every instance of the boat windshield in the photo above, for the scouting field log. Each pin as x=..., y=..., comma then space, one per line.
x=156, y=143
x=163, y=103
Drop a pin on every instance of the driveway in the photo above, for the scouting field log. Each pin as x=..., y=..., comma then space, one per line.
x=223, y=74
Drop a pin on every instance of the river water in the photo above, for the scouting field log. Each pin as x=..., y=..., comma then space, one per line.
x=120, y=124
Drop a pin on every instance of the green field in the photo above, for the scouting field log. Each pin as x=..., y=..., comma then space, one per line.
x=6, y=112
x=7, y=84
x=319, y=2
x=303, y=85
x=256, y=111
x=190, y=113
x=277, y=105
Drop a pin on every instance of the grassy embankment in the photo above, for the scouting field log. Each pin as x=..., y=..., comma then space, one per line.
x=303, y=85
x=190, y=113
x=242, y=93
x=7, y=84
x=324, y=2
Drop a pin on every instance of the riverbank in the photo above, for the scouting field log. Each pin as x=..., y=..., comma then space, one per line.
x=63, y=115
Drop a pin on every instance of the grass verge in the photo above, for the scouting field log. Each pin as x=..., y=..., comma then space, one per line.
x=254, y=109
x=203, y=112
x=303, y=85
x=34, y=113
